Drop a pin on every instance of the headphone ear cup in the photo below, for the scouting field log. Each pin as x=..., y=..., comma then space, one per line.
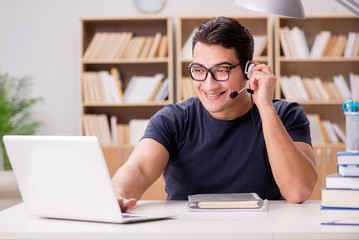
x=248, y=70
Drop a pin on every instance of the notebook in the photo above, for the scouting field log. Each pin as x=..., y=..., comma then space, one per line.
x=66, y=177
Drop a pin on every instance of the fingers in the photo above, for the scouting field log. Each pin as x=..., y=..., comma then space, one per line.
x=262, y=68
x=126, y=204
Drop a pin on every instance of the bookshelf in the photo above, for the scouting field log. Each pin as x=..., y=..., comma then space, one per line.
x=120, y=43
x=259, y=25
x=128, y=65
x=323, y=66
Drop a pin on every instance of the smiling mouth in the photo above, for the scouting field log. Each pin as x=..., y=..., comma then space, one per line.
x=213, y=94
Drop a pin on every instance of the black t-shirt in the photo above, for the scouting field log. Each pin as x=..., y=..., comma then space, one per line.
x=209, y=155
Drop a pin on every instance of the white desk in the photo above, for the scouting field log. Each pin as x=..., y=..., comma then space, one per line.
x=281, y=221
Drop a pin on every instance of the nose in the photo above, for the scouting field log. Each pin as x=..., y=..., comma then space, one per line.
x=210, y=81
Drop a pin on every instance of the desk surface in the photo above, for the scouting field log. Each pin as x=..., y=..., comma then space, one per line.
x=281, y=221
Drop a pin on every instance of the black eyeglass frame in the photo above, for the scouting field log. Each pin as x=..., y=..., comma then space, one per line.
x=229, y=68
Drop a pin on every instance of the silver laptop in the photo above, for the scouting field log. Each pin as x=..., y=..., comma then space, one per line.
x=66, y=177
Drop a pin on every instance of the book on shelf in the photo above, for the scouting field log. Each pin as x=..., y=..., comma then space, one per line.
x=340, y=197
x=351, y=48
x=91, y=47
x=335, y=46
x=146, y=47
x=317, y=132
x=118, y=80
x=348, y=158
x=110, y=88
x=320, y=42
x=123, y=45
x=343, y=87
x=137, y=46
x=295, y=87
x=260, y=44
x=300, y=42
x=110, y=46
x=339, y=47
x=349, y=171
x=284, y=42
x=319, y=86
x=311, y=90
x=340, y=133
x=354, y=86
x=106, y=49
x=332, y=90
x=92, y=88
x=330, y=46
x=155, y=45
x=163, y=47
x=142, y=88
x=137, y=129
x=328, y=127
x=186, y=52
x=290, y=41
x=113, y=129
x=222, y=201
x=336, y=180
x=97, y=125
x=163, y=91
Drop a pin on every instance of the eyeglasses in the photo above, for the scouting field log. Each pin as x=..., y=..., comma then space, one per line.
x=219, y=73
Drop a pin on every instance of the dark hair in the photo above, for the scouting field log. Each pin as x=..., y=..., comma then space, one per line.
x=228, y=33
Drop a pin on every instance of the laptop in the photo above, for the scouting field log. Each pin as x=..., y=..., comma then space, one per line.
x=66, y=177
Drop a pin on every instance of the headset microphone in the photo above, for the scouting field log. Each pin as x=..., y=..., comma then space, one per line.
x=247, y=73
x=235, y=93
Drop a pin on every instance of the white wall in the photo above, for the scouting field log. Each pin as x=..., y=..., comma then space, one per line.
x=40, y=38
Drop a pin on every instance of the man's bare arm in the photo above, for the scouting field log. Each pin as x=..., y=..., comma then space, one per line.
x=145, y=164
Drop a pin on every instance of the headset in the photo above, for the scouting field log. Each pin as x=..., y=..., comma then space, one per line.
x=247, y=74
x=248, y=69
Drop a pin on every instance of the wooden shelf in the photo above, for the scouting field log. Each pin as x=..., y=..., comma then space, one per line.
x=324, y=68
x=319, y=60
x=128, y=61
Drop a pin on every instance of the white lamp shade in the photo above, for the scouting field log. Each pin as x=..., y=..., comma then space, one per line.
x=290, y=8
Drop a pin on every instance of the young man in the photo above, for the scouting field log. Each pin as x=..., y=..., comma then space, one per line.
x=217, y=143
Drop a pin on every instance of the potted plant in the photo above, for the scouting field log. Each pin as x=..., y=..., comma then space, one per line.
x=16, y=117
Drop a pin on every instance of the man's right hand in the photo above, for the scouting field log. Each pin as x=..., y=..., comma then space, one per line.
x=126, y=204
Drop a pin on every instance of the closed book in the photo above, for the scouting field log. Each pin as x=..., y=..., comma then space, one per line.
x=340, y=197
x=330, y=216
x=225, y=201
x=349, y=171
x=337, y=181
x=346, y=158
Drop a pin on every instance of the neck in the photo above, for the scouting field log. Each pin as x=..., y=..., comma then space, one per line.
x=240, y=106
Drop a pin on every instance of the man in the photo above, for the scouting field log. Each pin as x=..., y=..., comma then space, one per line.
x=214, y=143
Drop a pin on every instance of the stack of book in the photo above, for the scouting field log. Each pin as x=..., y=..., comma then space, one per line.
x=297, y=87
x=112, y=46
x=111, y=133
x=324, y=131
x=340, y=198
x=294, y=44
x=107, y=87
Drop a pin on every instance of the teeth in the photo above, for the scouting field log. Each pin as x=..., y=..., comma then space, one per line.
x=213, y=95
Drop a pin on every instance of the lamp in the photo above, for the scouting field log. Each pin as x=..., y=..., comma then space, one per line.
x=351, y=5
x=290, y=8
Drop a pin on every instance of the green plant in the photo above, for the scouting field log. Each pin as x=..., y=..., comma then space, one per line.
x=16, y=117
